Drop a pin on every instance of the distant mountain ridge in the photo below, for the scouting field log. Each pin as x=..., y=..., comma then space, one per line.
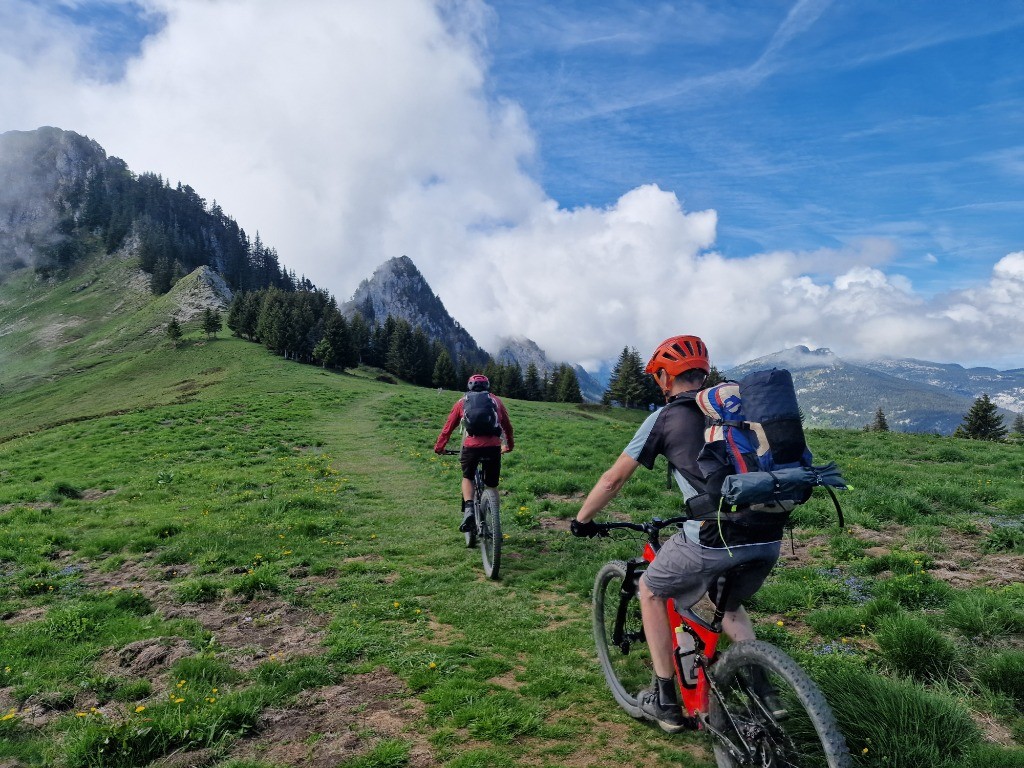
x=523, y=351
x=915, y=396
x=63, y=201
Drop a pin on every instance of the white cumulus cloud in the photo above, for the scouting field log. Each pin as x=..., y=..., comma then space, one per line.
x=348, y=133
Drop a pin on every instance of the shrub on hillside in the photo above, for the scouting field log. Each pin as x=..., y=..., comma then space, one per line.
x=1003, y=673
x=1007, y=538
x=935, y=731
x=985, y=614
x=915, y=591
x=913, y=647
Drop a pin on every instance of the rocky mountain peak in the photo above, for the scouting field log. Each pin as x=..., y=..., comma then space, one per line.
x=397, y=288
x=42, y=172
x=523, y=351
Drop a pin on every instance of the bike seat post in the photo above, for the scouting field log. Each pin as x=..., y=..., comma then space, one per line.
x=723, y=589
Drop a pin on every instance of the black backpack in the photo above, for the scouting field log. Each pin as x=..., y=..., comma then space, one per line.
x=755, y=455
x=480, y=415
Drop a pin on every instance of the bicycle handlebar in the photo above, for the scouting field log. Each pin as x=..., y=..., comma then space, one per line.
x=649, y=527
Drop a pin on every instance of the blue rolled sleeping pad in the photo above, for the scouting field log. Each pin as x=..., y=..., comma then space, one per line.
x=793, y=484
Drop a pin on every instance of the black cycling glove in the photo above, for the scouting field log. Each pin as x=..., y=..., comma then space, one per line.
x=588, y=529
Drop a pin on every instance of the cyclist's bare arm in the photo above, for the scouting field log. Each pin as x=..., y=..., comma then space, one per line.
x=608, y=487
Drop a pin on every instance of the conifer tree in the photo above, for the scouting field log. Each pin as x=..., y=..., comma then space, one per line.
x=174, y=331
x=271, y=322
x=982, y=421
x=629, y=385
x=421, y=362
x=360, y=333
x=879, y=424
x=714, y=377
x=1018, y=426
x=243, y=314
x=399, y=356
x=652, y=394
x=568, y=387
x=532, y=386
x=324, y=353
x=445, y=375
x=211, y=322
x=337, y=331
x=512, y=385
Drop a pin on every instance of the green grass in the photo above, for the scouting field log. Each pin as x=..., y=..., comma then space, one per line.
x=302, y=515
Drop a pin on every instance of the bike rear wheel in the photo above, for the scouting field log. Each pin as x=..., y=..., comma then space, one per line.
x=619, y=636
x=489, y=525
x=771, y=712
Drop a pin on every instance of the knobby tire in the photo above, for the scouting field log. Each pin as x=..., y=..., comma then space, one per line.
x=627, y=664
x=489, y=524
x=805, y=736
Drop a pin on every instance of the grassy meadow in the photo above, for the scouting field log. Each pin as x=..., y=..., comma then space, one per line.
x=213, y=556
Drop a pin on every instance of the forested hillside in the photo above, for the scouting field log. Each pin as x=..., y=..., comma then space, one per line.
x=64, y=200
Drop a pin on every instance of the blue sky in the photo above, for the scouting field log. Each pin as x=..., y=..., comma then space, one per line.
x=590, y=175
x=805, y=125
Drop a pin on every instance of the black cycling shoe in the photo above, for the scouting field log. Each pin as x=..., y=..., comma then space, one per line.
x=670, y=719
x=468, y=523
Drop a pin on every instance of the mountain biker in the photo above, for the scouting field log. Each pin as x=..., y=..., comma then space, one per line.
x=691, y=560
x=485, y=449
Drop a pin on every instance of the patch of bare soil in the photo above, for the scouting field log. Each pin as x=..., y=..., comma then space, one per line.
x=960, y=562
x=554, y=524
x=93, y=494
x=5, y=508
x=563, y=523
x=329, y=725
x=250, y=630
x=322, y=728
x=52, y=335
x=576, y=498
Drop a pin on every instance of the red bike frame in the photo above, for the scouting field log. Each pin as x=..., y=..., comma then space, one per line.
x=694, y=695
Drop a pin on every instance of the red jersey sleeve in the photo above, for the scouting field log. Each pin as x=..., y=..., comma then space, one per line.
x=449, y=426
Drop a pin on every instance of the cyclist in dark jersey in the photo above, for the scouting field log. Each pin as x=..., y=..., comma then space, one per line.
x=693, y=559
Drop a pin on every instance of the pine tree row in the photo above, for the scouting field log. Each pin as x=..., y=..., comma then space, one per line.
x=306, y=325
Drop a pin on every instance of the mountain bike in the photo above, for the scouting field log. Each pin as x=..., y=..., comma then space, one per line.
x=754, y=701
x=488, y=522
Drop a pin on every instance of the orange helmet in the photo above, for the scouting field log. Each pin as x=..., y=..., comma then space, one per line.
x=678, y=354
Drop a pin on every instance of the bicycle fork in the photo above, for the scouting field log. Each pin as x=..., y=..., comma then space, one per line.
x=620, y=638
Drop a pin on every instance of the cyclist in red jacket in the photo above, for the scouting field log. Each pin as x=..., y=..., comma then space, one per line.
x=487, y=434
x=692, y=560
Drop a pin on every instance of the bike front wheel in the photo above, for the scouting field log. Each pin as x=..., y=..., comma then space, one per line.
x=619, y=636
x=764, y=710
x=489, y=535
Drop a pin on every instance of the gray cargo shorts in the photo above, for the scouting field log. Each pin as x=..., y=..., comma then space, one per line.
x=684, y=570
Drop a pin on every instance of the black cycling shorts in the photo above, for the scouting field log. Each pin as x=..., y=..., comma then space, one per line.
x=489, y=457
